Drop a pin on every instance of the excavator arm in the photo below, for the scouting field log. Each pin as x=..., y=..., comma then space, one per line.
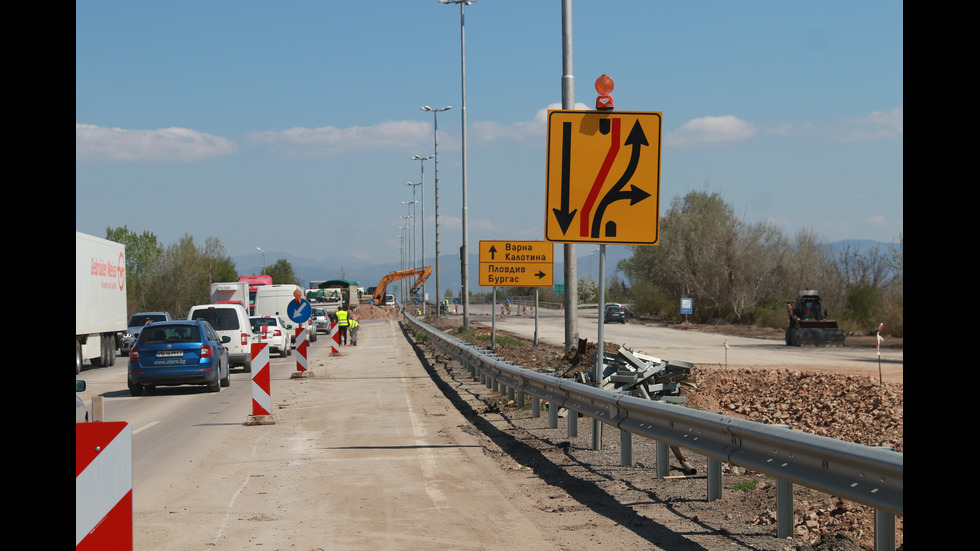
x=422, y=273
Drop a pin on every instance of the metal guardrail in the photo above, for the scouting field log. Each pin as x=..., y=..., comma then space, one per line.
x=863, y=474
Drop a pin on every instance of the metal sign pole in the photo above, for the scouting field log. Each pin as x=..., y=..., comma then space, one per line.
x=596, y=424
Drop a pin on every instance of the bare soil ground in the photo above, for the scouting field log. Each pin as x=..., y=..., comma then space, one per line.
x=841, y=406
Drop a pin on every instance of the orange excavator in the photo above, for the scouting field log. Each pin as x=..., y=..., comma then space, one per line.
x=378, y=294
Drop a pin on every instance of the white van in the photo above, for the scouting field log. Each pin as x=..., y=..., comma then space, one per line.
x=273, y=300
x=229, y=320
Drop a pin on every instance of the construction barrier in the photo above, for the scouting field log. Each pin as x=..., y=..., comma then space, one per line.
x=261, y=391
x=103, y=486
x=301, y=349
x=334, y=338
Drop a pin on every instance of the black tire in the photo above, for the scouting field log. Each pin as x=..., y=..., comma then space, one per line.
x=136, y=390
x=78, y=357
x=216, y=385
x=226, y=381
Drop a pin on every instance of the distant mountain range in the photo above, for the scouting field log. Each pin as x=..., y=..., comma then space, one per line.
x=369, y=274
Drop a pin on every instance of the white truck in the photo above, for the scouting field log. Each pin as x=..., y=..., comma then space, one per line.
x=231, y=292
x=100, y=300
x=273, y=300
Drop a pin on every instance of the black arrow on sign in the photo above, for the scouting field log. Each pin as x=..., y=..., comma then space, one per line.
x=636, y=139
x=540, y=274
x=493, y=252
x=563, y=216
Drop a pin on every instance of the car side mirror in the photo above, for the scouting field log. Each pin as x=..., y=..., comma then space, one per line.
x=79, y=386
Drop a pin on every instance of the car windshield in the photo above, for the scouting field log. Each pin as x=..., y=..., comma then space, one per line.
x=615, y=310
x=168, y=334
x=257, y=323
x=141, y=319
x=222, y=319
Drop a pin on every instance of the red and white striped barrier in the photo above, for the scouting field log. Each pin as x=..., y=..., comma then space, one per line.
x=261, y=391
x=103, y=486
x=334, y=338
x=301, y=349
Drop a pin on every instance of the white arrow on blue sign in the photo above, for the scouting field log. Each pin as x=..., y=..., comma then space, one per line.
x=300, y=313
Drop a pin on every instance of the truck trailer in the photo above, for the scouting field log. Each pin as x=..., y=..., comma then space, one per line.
x=100, y=300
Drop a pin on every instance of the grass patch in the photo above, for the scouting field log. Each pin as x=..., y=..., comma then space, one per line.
x=744, y=486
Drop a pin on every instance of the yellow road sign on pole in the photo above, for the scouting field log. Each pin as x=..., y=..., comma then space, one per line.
x=517, y=264
x=603, y=177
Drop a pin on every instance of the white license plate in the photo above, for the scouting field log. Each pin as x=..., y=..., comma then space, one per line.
x=170, y=354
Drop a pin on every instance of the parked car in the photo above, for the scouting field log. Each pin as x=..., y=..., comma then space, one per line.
x=321, y=321
x=229, y=320
x=81, y=412
x=135, y=324
x=178, y=353
x=272, y=330
x=614, y=312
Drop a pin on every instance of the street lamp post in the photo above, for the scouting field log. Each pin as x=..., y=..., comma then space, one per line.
x=263, y=257
x=435, y=155
x=410, y=222
x=422, y=161
x=464, y=250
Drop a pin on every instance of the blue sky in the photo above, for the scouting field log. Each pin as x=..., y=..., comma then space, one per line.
x=291, y=125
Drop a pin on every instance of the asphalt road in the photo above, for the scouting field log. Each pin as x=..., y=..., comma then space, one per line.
x=365, y=454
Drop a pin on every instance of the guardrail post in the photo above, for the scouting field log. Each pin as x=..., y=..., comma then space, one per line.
x=714, y=479
x=552, y=415
x=572, y=423
x=884, y=531
x=784, y=508
x=520, y=398
x=663, y=460
x=625, y=448
x=535, y=407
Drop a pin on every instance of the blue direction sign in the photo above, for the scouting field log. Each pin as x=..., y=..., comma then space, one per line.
x=299, y=312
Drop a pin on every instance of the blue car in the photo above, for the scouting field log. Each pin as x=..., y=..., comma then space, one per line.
x=178, y=353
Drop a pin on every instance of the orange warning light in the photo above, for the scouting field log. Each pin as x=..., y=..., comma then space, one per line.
x=604, y=85
x=298, y=295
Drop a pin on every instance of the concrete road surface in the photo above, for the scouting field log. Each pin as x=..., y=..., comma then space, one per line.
x=365, y=454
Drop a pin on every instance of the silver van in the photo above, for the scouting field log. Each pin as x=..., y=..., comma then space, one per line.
x=229, y=320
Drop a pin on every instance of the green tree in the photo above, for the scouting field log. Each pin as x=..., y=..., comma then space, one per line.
x=143, y=252
x=185, y=273
x=588, y=290
x=281, y=272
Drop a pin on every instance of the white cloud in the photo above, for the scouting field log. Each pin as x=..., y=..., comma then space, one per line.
x=876, y=126
x=711, y=131
x=329, y=141
x=181, y=145
x=532, y=131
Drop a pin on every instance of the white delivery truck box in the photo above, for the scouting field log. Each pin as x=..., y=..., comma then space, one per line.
x=273, y=300
x=230, y=292
x=100, y=300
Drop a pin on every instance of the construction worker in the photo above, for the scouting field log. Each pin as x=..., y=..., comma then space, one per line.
x=343, y=321
x=353, y=331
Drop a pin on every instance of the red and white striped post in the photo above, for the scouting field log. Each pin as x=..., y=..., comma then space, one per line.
x=103, y=486
x=334, y=339
x=261, y=391
x=300, y=355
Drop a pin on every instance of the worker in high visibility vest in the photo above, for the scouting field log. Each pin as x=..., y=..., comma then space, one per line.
x=353, y=331
x=343, y=322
